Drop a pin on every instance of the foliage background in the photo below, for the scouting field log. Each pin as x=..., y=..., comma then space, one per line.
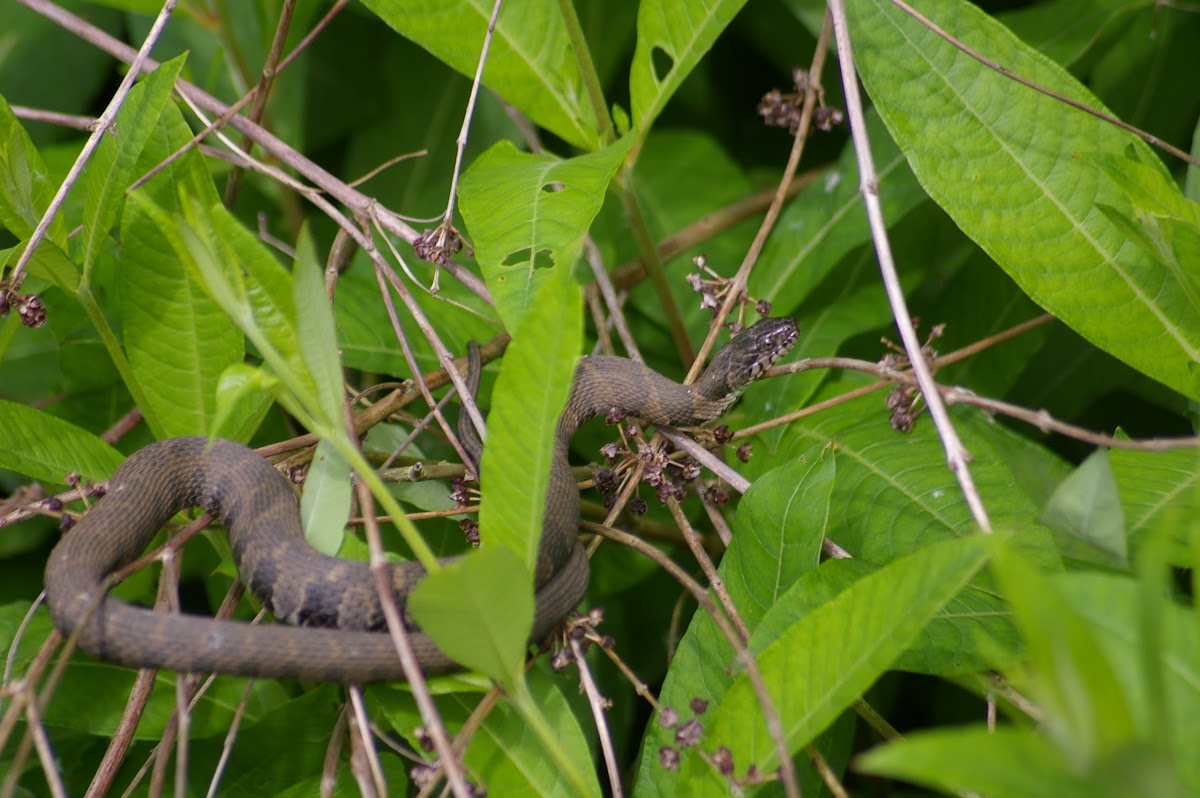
x=1000, y=203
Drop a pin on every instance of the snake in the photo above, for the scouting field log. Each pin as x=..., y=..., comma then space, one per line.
x=335, y=628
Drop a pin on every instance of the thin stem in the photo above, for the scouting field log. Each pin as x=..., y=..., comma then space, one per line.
x=103, y=126
x=738, y=284
x=587, y=69
x=956, y=455
x=408, y=660
x=596, y=701
x=262, y=92
x=654, y=268
x=461, y=141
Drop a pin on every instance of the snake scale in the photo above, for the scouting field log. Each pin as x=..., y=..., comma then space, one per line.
x=332, y=603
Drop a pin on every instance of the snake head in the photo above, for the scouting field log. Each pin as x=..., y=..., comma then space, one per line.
x=744, y=359
x=763, y=343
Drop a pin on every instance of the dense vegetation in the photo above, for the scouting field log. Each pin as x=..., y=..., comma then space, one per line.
x=1019, y=623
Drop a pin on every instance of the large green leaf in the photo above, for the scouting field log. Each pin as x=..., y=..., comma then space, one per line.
x=530, y=62
x=780, y=524
x=971, y=633
x=517, y=216
x=1002, y=763
x=1023, y=175
x=534, y=382
x=777, y=540
x=177, y=339
x=502, y=754
x=1112, y=606
x=894, y=493
x=1158, y=489
x=479, y=610
x=1087, y=712
x=830, y=657
x=111, y=169
x=35, y=443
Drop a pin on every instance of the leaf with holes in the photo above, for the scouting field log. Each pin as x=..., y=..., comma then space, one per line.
x=526, y=212
x=672, y=37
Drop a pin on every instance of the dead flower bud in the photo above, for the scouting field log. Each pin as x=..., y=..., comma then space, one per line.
x=561, y=659
x=689, y=734
x=31, y=310
x=668, y=757
x=422, y=775
x=723, y=759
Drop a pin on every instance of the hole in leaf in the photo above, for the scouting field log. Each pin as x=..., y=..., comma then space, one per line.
x=661, y=62
x=520, y=257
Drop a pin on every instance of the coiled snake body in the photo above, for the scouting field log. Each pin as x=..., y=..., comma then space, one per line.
x=337, y=636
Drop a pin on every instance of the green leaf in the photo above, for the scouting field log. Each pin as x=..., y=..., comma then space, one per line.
x=672, y=37
x=177, y=339
x=1159, y=490
x=1025, y=191
x=830, y=657
x=1086, y=516
x=972, y=632
x=1109, y=604
x=35, y=443
x=111, y=169
x=530, y=62
x=25, y=188
x=1004, y=763
x=502, y=753
x=250, y=287
x=325, y=503
x=781, y=521
x=894, y=493
x=317, y=335
x=244, y=394
x=51, y=264
x=517, y=217
x=511, y=761
x=777, y=539
x=1088, y=713
x=530, y=393
x=479, y=611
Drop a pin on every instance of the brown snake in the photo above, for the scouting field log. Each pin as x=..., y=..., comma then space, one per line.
x=337, y=636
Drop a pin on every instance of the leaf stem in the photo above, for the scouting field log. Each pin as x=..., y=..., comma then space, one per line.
x=654, y=268
x=587, y=69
